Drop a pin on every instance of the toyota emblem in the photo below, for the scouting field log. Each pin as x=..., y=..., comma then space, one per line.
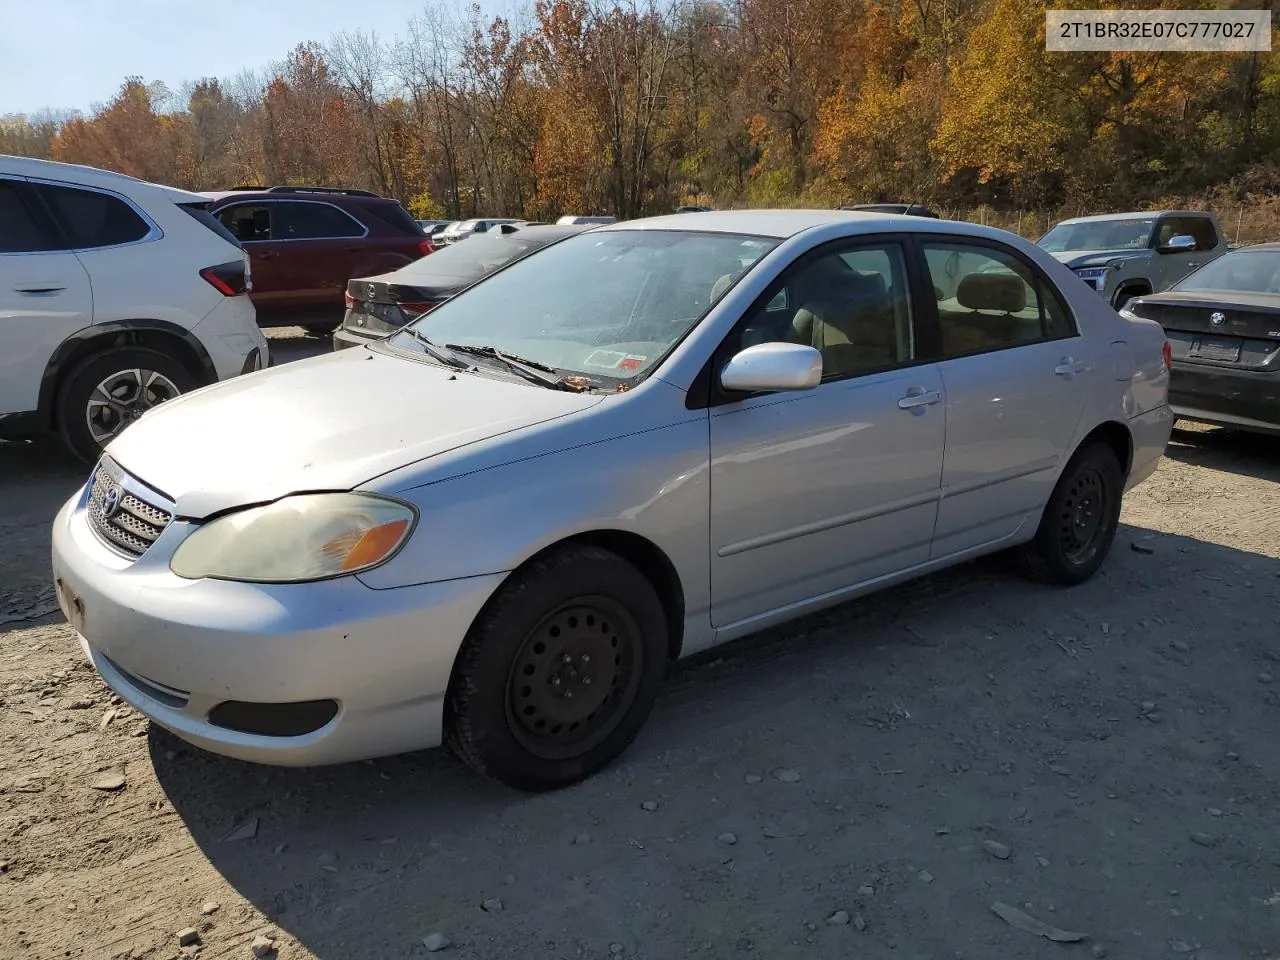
x=1217, y=319
x=111, y=503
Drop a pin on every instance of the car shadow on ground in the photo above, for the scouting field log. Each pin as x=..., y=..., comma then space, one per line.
x=1232, y=451
x=964, y=700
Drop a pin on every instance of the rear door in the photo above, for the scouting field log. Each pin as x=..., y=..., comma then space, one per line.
x=1016, y=373
x=319, y=246
x=45, y=294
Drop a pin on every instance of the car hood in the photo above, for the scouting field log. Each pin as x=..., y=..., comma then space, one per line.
x=327, y=423
x=1097, y=258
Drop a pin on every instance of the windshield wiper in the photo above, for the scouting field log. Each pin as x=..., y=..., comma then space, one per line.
x=435, y=352
x=529, y=369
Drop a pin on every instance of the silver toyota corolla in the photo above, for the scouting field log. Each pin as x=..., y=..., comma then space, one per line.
x=498, y=526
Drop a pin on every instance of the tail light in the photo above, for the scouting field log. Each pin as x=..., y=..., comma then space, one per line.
x=1168, y=356
x=229, y=279
x=416, y=307
x=348, y=300
x=426, y=246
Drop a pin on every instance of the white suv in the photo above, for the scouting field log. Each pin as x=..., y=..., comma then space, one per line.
x=115, y=295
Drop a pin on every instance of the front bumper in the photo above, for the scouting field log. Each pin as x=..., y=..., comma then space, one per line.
x=1246, y=399
x=177, y=649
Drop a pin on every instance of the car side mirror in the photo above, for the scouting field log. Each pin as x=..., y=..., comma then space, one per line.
x=1179, y=244
x=772, y=367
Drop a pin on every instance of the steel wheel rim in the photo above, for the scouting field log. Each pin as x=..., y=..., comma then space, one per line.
x=122, y=398
x=1084, y=518
x=574, y=677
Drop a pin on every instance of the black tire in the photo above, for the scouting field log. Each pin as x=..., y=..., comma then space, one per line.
x=79, y=390
x=1079, y=522
x=549, y=632
x=321, y=330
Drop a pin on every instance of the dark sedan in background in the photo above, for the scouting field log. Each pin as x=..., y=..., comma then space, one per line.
x=1223, y=325
x=377, y=306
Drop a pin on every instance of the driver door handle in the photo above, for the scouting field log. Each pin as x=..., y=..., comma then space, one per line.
x=919, y=397
x=40, y=291
x=1067, y=366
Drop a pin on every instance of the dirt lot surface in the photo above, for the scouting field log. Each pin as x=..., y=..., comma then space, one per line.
x=867, y=783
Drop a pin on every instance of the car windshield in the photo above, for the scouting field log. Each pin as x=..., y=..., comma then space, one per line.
x=1245, y=271
x=604, y=305
x=1132, y=234
x=470, y=261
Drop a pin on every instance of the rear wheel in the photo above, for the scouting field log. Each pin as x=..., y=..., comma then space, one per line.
x=321, y=329
x=104, y=394
x=560, y=672
x=1080, y=520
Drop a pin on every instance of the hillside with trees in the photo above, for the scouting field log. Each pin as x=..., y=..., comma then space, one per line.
x=634, y=107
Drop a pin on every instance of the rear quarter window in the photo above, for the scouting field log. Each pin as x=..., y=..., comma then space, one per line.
x=394, y=216
x=200, y=213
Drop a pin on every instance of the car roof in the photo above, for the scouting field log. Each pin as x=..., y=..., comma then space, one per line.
x=786, y=223
x=1137, y=215
x=88, y=176
x=550, y=232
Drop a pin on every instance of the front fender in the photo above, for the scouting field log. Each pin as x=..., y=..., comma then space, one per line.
x=653, y=484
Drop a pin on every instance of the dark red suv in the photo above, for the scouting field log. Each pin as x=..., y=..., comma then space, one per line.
x=305, y=243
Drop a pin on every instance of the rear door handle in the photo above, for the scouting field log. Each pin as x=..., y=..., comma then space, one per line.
x=39, y=291
x=919, y=397
x=1067, y=367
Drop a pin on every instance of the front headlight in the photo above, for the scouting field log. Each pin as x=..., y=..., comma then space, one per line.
x=1096, y=277
x=311, y=536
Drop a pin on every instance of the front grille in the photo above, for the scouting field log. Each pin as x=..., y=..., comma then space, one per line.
x=121, y=518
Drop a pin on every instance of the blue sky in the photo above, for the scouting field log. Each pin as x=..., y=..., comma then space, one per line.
x=76, y=53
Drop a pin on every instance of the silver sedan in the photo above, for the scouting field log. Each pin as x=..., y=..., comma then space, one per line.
x=498, y=526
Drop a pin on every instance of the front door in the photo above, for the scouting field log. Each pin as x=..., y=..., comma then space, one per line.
x=813, y=492
x=251, y=225
x=1016, y=374
x=319, y=246
x=45, y=295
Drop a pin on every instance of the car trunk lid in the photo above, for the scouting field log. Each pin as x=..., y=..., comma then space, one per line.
x=1233, y=329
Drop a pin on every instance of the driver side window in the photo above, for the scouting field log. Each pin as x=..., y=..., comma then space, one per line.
x=851, y=303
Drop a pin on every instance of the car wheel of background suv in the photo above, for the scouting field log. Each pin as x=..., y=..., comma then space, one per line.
x=106, y=393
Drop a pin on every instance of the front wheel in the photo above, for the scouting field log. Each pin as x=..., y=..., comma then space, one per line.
x=1079, y=521
x=559, y=672
x=103, y=395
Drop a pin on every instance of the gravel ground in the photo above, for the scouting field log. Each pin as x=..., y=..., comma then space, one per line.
x=922, y=774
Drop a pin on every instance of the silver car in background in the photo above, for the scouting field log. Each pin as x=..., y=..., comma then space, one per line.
x=499, y=525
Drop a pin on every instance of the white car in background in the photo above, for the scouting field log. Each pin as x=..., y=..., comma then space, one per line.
x=115, y=295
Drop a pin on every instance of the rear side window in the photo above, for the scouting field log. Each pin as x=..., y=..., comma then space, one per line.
x=93, y=219
x=989, y=299
x=200, y=213
x=397, y=217
x=20, y=231
x=312, y=221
